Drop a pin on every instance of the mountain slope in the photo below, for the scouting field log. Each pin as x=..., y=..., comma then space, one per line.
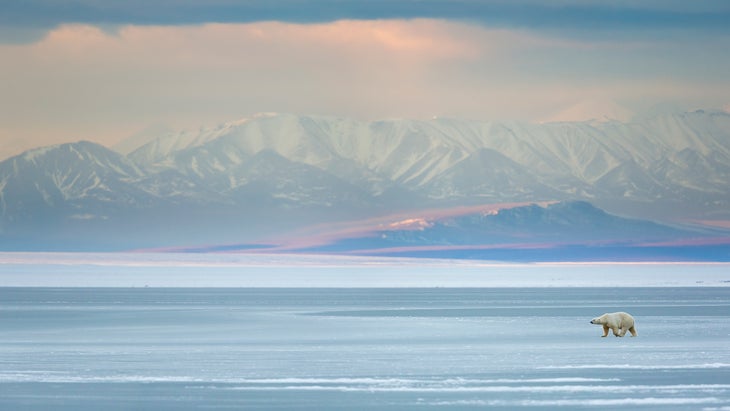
x=67, y=179
x=303, y=170
x=573, y=230
x=608, y=162
x=564, y=222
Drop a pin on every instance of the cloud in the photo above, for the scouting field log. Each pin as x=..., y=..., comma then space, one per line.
x=27, y=20
x=83, y=81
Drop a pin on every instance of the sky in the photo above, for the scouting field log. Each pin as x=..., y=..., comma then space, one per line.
x=105, y=70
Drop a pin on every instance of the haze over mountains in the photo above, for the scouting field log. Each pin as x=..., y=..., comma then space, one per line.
x=258, y=178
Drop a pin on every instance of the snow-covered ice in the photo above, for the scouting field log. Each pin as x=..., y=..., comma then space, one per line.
x=299, y=270
x=311, y=348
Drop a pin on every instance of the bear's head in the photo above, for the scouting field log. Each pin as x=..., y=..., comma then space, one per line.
x=599, y=320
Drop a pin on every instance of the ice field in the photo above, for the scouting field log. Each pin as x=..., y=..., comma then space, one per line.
x=383, y=347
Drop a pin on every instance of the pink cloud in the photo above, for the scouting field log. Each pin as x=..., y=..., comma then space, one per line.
x=242, y=45
x=81, y=82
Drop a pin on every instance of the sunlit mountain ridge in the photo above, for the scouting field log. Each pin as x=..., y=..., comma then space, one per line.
x=524, y=232
x=270, y=174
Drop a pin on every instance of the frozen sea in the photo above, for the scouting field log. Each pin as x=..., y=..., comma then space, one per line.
x=84, y=333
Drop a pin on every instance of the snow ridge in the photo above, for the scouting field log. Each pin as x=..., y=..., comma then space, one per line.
x=662, y=166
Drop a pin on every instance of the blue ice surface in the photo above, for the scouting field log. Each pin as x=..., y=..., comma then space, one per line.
x=362, y=349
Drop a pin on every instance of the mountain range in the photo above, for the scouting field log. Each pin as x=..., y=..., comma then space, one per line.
x=251, y=179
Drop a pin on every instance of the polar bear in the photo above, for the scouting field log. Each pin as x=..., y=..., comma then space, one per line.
x=619, y=323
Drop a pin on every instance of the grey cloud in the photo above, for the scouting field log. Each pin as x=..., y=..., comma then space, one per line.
x=28, y=20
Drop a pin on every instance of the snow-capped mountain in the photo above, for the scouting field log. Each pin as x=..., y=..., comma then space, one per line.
x=277, y=171
x=675, y=157
x=68, y=177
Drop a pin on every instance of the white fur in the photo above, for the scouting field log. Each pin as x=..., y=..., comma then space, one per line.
x=618, y=323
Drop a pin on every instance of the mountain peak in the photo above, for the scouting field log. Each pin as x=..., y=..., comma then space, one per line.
x=319, y=169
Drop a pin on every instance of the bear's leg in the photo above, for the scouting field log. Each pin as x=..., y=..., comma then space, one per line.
x=605, y=331
x=633, y=331
x=622, y=331
x=616, y=332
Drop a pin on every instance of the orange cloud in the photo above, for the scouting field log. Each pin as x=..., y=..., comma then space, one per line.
x=81, y=82
x=246, y=44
